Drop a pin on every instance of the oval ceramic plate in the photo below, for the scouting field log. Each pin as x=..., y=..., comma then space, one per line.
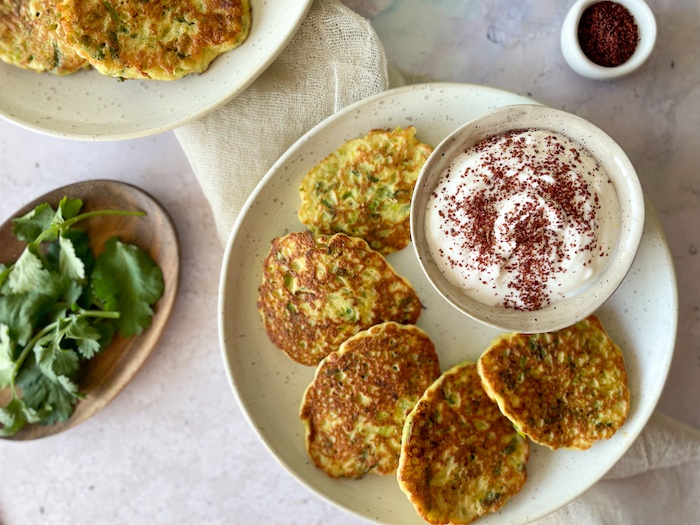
x=641, y=317
x=106, y=374
x=90, y=106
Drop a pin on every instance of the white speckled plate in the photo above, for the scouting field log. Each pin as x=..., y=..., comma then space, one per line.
x=90, y=106
x=641, y=317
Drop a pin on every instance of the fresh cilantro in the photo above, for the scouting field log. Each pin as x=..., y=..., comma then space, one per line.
x=4, y=272
x=126, y=280
x=7, y=362
x=69, y=208
x=15, y=415
x=69, y=264
x=28, y=274
x=59, y=306
x=23, y=313
x=85, y=334
x=52, y=399
x=81, y=245
x=34, y=223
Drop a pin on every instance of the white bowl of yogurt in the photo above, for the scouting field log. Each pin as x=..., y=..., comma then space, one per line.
x=527, y=218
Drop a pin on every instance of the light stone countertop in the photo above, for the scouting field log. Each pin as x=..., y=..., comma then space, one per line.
x=174, y=447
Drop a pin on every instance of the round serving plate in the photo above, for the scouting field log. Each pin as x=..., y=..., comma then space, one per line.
x=641, y=317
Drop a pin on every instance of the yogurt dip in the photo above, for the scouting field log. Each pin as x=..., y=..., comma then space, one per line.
x=523, y=219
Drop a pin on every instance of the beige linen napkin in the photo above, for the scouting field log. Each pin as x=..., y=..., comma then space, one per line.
x=336, y=59
x=656, y=482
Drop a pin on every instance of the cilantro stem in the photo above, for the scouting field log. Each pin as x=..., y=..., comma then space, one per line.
x=70, y=222
x=30, y=345
x=100, y=313
x=81, y=217
x=51, y=326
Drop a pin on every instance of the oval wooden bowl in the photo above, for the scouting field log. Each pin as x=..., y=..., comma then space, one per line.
x=105, y=375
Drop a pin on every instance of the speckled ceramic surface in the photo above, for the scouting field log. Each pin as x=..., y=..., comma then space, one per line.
x=90, y=106
x=641, y=316
x=612, y=160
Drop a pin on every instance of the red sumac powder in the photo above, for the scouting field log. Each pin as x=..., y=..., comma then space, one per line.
x=608, y=34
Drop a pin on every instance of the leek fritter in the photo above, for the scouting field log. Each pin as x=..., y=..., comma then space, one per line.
x=30, y=37
x=563, y=389
x=364, y=188
x=356, y=406
x=153, y=39
x=316, y=292
x=460, y=457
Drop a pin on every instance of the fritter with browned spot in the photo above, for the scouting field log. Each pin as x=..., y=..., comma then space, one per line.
x=355, y=408
x=30, y=37
x=460, y=457
x=153, y=39
x=316, y=292
x=564, y=389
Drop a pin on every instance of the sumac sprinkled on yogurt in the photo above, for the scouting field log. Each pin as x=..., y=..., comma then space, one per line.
x=523, y=219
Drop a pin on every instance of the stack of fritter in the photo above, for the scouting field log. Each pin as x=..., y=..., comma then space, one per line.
x=457, y=441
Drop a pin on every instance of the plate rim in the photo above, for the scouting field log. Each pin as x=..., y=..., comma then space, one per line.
x=653, y=222
x=303, y=7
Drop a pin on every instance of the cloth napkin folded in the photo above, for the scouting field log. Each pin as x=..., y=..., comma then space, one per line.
x=336, y=59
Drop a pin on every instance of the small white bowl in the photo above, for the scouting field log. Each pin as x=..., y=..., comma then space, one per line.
x=579, y=62
x=610, y=157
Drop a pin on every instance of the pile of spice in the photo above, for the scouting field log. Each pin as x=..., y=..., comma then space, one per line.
x=608, y=34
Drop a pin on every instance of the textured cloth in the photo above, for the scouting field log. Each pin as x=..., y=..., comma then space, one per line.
x=656, y=481
x=336, y=59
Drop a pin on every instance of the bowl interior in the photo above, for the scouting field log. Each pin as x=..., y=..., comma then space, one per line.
x=612, y=160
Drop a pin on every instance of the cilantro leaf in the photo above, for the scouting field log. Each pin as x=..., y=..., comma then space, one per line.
x=4, y=272
x=7, y=362
x=15, y=415
x=53, y=399
x=125, y=279
x=81, y=243
x=86, y=336
x=81, y=246
x=88, y=347
x=45, y=221
x=28, y=273
x=70, y=265
x=69, y=387
x=22, y=314
x=72, y=293
x=28, y=227
x=53, y=360
x=69, y=208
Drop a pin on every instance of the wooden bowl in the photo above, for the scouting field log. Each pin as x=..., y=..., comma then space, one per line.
x=101, y=378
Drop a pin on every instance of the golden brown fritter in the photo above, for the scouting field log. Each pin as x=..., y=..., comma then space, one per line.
x=355, y=408
x=30, y=37
x=460, y=457
x=364, y=188
x=317, y=292
x=154, y=39
x=562, y=389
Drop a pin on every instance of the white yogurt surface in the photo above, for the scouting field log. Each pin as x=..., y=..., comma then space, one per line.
x=523, y=219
